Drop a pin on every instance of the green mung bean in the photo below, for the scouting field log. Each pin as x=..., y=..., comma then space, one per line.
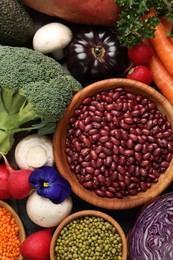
x=89, y=238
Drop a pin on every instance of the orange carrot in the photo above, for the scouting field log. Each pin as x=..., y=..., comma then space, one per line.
x=161, y=77
x=163, y=46
x=166, y=23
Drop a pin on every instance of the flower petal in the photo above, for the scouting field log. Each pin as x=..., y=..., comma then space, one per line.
x=57, y=189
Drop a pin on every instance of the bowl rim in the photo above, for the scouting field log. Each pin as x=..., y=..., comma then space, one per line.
x=84, y=213
x=59, y=154
x=19, y=223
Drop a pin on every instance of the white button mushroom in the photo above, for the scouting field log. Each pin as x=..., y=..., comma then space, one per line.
x=44, y=212
x=52, y=38
x=34, y=151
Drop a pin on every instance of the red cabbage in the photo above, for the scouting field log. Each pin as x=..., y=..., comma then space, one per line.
x=151, y=237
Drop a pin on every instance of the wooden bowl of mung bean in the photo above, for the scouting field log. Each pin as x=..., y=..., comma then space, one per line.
x=114, y=144
x=89, y=233
x=12, y=231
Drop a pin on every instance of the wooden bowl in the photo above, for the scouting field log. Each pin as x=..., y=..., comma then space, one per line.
x=85, y=213
x=19, y=223
x=60, y=137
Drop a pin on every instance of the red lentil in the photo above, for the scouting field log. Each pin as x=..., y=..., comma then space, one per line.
x=9, y=236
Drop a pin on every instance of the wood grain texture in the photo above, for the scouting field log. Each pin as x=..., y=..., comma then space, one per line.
x=59, y=145
x=85, y=213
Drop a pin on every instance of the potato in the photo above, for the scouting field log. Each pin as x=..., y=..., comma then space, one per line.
x=97, y=12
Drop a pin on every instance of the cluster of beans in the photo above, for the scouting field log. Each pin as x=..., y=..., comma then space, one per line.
x=118, y=143
x=89, y=238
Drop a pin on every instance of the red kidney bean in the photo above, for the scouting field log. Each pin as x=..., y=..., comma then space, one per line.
x=108, y=161
x=98, y=149
x=114, y=140
x=147, y=156
x=87, y=142
x=95, y=137
x=133, y=137
x=134, y=179
x=137, y=172
x=112, y=189
x=130, y=159
x=103, y=132
x=108, y=182
x=144, y=163
x=119, y=195
x=109, y=194
x=157, y=151
x=130, y=144
x=96, y=118
x=107, y=151
x=138, y=147
x=129, y=152
x=103, y=139
x=124, y=134
x=146, y=132
x=96, y=125
x=132, y=191
x=85, y=151
x=113, y=166
x=115, y=158
x=118, y=134
x=108, y=145
x=122, y=160
x=115, y=120
x=93, y=154
x=100, y=193
x=101, y=178
x=114, y=176
x=121, y=169
x=143, y=186
x=144, y=120
x=169, y=157
x=131, y=169
x=88, y=177
x=120, y=177
x=93, y=163
x=102, y=155
x=89, y=169
x=127, y=180
x=132, y=186
x=87, y=184
x=150, y=139
x=164, y=164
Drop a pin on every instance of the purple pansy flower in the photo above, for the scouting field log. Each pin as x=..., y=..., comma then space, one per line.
x=50, y=184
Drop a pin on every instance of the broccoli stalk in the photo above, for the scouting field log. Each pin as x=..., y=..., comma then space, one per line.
x=35, y=91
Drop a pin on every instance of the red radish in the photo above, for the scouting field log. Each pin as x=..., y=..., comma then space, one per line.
x=18, y=181
x=37, y=245
x=97, y=12
x=4, y=175
x=140, y=73
x=141, y=53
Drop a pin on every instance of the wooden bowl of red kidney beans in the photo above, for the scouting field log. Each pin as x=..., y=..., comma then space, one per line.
x=114, y=144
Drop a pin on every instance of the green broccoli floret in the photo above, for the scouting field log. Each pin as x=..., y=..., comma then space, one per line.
x=35, y=91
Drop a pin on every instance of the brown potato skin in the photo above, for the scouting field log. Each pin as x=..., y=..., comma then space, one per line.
x=92, y=12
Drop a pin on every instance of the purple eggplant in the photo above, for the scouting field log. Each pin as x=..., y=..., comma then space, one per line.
x=95, y=54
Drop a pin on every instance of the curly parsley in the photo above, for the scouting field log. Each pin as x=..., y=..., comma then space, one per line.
x=132, y=27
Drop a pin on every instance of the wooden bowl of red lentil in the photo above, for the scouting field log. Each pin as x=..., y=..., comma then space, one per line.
x=88, y=233
x=12, y=232
x=114, y=144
